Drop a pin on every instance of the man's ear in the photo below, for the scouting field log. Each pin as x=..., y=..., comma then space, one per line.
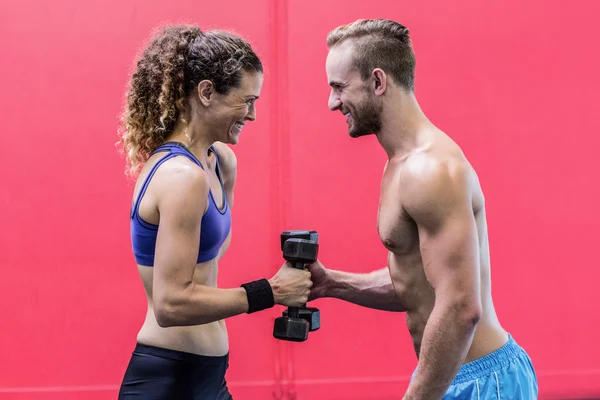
x=379, y=83
x=206, y=91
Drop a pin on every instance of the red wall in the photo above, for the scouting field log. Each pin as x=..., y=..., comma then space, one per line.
x=515, y=83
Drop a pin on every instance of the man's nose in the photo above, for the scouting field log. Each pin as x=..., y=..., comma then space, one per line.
x=334, y=101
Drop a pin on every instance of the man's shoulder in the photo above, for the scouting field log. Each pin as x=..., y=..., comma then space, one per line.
x=430, y=180
x=432, y=169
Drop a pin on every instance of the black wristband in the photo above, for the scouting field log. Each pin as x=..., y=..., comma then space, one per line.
x=260, y=295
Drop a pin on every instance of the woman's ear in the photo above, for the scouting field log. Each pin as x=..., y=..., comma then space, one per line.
x=206, y=91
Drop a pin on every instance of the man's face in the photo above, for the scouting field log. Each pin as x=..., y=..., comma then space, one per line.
x=350, y=94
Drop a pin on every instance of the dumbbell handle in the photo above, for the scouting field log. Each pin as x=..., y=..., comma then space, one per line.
x=297, y=264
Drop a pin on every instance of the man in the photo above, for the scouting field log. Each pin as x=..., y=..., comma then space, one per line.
x=431, y=219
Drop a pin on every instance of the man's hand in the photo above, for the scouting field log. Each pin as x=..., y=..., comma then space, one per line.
x=319, y=277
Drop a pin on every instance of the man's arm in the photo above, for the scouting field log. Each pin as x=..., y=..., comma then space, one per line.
x=372, y=290
x=438, y=197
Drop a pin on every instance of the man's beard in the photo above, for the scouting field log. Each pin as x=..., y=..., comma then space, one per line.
x=366, y=119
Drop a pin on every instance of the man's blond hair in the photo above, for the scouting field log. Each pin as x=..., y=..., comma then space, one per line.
x=379, y=43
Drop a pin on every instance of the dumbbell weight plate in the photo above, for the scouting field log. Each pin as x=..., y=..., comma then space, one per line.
x=290, y=329
x=297, y=234
x=311, y=315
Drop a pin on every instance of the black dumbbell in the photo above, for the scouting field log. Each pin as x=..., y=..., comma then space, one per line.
x=298, y=252
x=308, y=235
x=310, y=314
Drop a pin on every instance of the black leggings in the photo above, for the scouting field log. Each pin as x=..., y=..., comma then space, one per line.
x=155, y=373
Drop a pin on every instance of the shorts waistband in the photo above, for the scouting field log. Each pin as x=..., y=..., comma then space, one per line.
x=489, y=363
x=176, y=355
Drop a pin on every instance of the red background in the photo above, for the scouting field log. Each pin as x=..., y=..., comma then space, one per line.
x=513, y=82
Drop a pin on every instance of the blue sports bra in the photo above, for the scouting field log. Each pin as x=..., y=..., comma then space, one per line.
x=215, y=224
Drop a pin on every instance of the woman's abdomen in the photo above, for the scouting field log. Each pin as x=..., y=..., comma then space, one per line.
x=207, y=339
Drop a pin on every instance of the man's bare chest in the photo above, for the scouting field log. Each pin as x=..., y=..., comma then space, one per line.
x=397, y=230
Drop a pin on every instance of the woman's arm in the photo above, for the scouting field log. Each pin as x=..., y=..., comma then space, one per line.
x=182, y=190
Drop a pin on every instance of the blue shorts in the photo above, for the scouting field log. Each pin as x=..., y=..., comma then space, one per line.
x=507, y=373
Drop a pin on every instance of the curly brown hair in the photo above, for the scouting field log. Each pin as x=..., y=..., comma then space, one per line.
x=169, y=68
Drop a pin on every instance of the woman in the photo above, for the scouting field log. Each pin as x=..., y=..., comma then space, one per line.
x=190, y=95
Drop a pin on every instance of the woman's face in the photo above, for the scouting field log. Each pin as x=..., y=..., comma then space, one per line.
x=229, y=113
